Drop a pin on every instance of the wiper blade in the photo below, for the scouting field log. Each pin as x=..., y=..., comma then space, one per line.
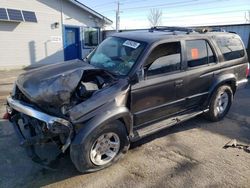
x=86, y=60
x=112, y=73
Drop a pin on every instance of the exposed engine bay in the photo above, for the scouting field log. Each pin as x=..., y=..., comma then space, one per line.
x=57, y=88
x=90, y=84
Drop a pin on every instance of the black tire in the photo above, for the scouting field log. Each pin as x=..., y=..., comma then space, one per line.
x=80, y=154
x=214, y=114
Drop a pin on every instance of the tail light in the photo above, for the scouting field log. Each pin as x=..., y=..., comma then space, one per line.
x=8, y=113
x=6, y=116
x=247, y=70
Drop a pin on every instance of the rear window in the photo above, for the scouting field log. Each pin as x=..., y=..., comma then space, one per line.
x=230, y=47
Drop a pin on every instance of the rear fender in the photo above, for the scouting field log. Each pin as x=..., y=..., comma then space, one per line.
x=228, y=79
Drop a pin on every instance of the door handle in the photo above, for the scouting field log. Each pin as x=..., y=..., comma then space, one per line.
x=178, y=83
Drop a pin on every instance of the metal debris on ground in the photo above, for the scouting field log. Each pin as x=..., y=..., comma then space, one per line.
x=233, y=144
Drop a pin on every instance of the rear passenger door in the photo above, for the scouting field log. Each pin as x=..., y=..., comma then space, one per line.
x=201, y=62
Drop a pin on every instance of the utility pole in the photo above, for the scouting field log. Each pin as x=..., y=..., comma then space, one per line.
x=247, y=16
x=118, y=16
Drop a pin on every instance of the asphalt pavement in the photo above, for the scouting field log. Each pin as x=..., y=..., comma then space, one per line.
x=187, y=155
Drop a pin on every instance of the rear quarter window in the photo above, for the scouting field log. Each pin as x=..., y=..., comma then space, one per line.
x=230, y=47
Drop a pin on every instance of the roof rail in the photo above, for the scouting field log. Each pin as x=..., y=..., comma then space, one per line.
x=171, y=29
x=207, y=29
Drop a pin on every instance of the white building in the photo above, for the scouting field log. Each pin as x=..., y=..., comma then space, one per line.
x=46, y=31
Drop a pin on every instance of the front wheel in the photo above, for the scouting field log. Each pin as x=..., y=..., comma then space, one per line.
x=101, y=148
x=220, y=103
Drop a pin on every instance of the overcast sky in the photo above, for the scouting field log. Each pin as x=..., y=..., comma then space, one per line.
x=134, y=13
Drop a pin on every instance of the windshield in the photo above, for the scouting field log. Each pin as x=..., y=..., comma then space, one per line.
x=116, y=55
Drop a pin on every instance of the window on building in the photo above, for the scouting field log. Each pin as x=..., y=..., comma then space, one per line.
x=164, y=58
x=230, y=47
x=91, y=36
x=199, y=53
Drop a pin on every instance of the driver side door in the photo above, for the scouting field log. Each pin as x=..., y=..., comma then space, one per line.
x=154, y=98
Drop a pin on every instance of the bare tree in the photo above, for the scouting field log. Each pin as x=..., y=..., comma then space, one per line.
x=154, y=17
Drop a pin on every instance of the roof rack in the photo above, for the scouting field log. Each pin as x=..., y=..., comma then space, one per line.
x=171, y=29
x=207, y=29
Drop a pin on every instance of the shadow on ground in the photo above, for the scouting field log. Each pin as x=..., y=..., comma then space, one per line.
x=66, y=169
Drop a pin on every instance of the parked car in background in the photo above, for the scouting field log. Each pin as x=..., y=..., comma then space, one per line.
x=132, y=85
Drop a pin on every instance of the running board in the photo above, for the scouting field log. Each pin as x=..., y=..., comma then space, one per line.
x=150, y=129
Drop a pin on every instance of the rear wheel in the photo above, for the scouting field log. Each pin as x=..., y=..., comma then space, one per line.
x=101, y=148
x=220, y=103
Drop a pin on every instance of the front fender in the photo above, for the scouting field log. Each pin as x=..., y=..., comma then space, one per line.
x=119, y=113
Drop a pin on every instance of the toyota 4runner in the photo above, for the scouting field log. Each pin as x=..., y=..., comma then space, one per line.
x=132, y=85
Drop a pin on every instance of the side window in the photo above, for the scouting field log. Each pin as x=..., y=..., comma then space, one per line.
x=164, y=58
x=230, y=47
x=199, y=53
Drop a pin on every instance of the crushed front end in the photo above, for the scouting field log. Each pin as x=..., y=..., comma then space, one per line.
x=46, y=103
x=36, y=128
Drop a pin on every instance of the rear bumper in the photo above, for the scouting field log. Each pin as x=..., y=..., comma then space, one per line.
x=242, y=83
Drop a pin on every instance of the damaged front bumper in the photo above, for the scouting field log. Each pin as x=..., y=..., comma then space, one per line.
x=52, y=125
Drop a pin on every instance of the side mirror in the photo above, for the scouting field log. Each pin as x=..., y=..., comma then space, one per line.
x=140, y=74
x=138, y=77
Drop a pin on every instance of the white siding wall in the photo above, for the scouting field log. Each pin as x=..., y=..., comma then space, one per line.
x=23, y=44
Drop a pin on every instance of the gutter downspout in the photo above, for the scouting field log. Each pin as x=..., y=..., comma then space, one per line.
x=62, y=24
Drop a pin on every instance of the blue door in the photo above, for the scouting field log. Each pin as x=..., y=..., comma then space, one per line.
x=72, y=45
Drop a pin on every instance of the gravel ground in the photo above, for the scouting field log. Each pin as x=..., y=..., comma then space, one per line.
x=188, y=155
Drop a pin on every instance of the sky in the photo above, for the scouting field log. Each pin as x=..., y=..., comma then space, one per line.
x=134, y=13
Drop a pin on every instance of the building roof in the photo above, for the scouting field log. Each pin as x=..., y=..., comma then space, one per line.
x=91, y=11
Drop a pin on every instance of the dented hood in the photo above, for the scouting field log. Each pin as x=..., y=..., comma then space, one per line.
x=52, y=85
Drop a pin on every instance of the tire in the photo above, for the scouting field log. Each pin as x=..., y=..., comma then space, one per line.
x=220, y=103
x=83, y=156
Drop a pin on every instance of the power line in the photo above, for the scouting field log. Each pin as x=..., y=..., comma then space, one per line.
x=217, y=18
x=212, y=13
x=169, y=5
x=104, y=4
x=193, y=10
x=184, y=17
x=162, y=4
x=214, y=23
x=114, y=2
x=139, y=7
x=195, y=15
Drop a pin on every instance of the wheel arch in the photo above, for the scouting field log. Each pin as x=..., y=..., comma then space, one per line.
x=228, y=79
x=121, y=114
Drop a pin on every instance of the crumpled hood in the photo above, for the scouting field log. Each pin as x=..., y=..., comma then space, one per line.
x=52, y=85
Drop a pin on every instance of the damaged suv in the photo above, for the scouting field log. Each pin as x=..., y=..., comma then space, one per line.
x=132, y=85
